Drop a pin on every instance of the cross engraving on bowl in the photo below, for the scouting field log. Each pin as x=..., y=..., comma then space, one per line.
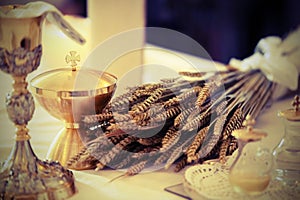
x=72, y=58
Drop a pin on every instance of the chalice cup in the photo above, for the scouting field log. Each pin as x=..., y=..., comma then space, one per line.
x=23, y=175
x=68, y=94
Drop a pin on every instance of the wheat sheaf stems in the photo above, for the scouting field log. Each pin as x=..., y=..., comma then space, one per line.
x=223, y=150
x=135, y=169
x=229, y=72
x=171, y=102
x=169, y=80
x=200, y=110
x=124, y=125
x=150, y=140
x=172, y=140
x=235, y=122
x=203, y=95
x=221, y=107
x=97, y=118
x=146, y=150
x=96, y=146
x=210, y=140
x=167, y=114
x=197, y=122
x=105, y=159
x=122, y=117
x=178, y=152
x=233, y=145
x=121, y=102
x=214, y=138
x=142, y=107
x=164, y=156
x=99, y=166
x=169, y=134
x=124, y=163
x=181, y=118
x=181, y=164
x=192, y=74
x=140, y=165
x=131, y=159
x=189, y=94
x=154, y=86
x=153, y=110
x=198, y=140
x=186, y=96
x=81, y=154
x=117, y=138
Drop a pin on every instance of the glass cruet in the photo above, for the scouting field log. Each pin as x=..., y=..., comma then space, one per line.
x=251, y=171
x=287, y=153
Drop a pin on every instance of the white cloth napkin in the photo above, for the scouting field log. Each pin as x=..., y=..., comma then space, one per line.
x=276, y=59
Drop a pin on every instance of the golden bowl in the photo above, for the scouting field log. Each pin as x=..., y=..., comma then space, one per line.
x=68, y=94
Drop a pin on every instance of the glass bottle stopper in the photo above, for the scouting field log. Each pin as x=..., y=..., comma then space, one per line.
x=249, y=134
x=292, y=114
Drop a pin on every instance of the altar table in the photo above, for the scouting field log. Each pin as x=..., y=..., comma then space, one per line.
x=146, y=185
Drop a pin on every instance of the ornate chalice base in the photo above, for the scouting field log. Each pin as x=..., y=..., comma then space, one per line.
x=23, y=175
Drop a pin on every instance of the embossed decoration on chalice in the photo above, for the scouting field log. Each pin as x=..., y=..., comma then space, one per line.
x=23, y=175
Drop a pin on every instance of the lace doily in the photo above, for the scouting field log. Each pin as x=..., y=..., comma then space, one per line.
x=210, y=181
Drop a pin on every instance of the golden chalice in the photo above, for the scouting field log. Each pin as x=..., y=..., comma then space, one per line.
x=68, y=94
x=24, y=175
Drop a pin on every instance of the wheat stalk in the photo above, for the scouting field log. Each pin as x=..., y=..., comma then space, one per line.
x=198, y=140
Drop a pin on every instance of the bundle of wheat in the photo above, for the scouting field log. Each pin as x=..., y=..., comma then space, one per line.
x=188, y=119
x=179, y=120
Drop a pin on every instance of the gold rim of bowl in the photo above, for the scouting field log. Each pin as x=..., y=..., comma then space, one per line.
x=76, y=93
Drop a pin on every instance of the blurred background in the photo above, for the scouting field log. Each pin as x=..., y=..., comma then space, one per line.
x=229, y=28
x=226, y=29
